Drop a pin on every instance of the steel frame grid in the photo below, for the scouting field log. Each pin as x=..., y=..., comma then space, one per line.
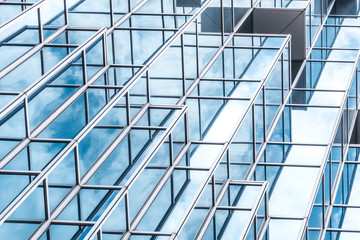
x=83, y=46
x=329, y=145
x=209, y=217
x=252, y=102
x=293, y=88
x=344, y=152
x=344, y=146
x=91, y=171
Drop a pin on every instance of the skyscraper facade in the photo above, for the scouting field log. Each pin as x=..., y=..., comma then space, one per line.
x=179, y=119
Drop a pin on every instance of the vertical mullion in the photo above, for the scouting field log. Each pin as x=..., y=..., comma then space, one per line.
x=77, y=165
x=41, y=34
x=197, y=48
x=342, y=138
x=114, y=56
x=28, y=152
x=86, y=99
x=162, y=19
x=128, y=120
x=27, y=132
x=187, y=137
x=46, y=199
x=223, y=74
x=111, y=2
x=42, y=62
x=104, y=49
x=232, y=16
x=131, y=46
x=149, y=121
x=86, y=103
x=79, y=205
x=183, y=64
x=253, y=131
x=99, y=234
x=127, y=212
x=105, y=63
x=171, y=150
x=356, y=91
x=255, y=227
x=128, y=116
x=66, y=13
x=148, y=83
x=267, y=212
x=234, y=63
x=174, y=11
x=323, y=200
x=289, y=65
x=213, y=195
x=67, y=39
x=199, y=110
x=23, y=6
x=107, y=83
x=264, y=114
x=282, y=79
x=83, y=55
x=213, y=204
x=228, y=163
x=26, y=117
x=172, y=192
x=310, y=22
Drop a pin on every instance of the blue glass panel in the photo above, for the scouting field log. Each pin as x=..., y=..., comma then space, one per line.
x=13, y=124
x=6, y=146
x=35, y=156
x=84, y=204
x=10, y=187
x=93, y=145
x=73, y=117
x=193, y=224
x=115, y=166
x=58, y=232
x=23, y=76
x=17, y=231
x=8, y=12
x=117, y=219
x=12, y=53
x=45, y=102
x=139, y=192
x=33, y=207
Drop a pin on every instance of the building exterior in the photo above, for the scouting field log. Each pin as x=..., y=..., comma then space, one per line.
x=179, y=119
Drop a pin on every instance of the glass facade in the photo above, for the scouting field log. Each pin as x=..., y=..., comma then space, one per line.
x=179, y=119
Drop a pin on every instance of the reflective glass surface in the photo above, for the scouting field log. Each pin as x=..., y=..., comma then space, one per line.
x=161, y=119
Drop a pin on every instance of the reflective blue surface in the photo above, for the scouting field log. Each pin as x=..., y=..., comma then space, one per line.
x=171, y=119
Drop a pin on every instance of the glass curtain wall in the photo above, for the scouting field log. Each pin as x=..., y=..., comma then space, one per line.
x=161, y=119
